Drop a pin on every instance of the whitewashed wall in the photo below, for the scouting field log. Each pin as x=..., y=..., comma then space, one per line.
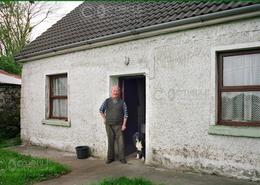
x=180, y=99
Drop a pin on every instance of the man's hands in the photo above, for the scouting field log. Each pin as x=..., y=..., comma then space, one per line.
x=103, y=116
x=123, y=127
x=124, y=124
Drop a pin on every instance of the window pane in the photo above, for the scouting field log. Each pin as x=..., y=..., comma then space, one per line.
x=60, y=108
x=241, y=70
x=59, y=86
x=240, y=106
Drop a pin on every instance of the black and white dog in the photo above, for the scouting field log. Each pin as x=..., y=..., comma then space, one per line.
x=139, y=142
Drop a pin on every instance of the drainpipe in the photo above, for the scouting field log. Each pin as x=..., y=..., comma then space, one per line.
x=178, y=23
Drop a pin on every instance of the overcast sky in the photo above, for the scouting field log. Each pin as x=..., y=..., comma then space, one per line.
x=64, y=7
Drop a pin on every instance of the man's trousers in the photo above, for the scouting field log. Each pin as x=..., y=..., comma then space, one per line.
x=114, y=134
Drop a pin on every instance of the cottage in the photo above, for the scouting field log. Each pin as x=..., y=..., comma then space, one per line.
x=189, y=72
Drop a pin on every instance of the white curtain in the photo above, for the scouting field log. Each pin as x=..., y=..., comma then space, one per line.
x=59, y=86
x=241, y=106
x=60, y=108
x=241, y=70
x=60, y=89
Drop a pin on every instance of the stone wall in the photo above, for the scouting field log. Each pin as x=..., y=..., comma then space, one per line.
x=9, y=110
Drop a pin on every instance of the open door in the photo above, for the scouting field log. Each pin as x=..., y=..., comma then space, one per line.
x=133, y=93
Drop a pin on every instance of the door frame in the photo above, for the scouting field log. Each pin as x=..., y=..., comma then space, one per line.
x=113, y=79
x=122, y=85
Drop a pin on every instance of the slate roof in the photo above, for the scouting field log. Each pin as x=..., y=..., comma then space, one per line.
x=97, y=19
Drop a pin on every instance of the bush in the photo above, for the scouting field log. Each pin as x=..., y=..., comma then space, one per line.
x=8, y=64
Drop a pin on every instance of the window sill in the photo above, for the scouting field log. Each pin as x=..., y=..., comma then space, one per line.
x=56, y=122
x=253, y=132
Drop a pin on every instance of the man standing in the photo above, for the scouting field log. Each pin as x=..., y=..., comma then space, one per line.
x=114, y=112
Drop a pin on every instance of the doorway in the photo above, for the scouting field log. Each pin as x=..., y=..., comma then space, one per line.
x=133, y=93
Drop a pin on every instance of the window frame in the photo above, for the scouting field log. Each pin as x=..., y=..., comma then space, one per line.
x=241, y=88
x=52, y=97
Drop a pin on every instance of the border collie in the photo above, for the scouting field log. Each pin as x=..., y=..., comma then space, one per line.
x=139, y=143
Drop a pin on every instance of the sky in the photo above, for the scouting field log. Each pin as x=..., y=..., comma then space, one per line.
x=63, y=7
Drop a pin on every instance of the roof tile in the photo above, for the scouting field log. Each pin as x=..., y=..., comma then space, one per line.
x=96, y=19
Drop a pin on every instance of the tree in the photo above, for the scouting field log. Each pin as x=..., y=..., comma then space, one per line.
x=17, y=20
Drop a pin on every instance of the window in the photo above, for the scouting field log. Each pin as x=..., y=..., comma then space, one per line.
x=58, y=97
x=239, y=88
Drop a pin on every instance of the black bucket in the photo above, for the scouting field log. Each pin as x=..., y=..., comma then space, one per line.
x=82, y=152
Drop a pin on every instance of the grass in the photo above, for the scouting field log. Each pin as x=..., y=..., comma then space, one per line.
x=10, y=142
x=18, y=169
x=125, y=181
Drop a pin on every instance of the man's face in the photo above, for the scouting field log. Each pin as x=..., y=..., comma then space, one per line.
x=115, y=92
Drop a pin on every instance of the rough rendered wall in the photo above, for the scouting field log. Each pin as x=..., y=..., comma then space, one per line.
x=180, y=99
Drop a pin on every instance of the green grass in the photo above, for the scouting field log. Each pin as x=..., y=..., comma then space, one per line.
x=18, y=169
x=10, y=142
x=125, y=181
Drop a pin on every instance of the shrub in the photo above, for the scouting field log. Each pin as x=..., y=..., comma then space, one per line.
x=8, y=64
